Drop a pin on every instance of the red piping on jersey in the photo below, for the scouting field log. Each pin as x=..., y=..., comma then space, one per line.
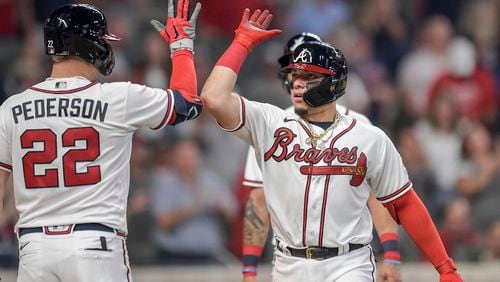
x=243, y=118
x=395, y=193
x=306, y=193
x=327, y=182
x=168, y=113
x=124, y=248
x=4, y=165
x=69, y=91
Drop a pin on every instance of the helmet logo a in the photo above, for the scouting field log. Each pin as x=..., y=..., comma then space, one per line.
x=304, y=57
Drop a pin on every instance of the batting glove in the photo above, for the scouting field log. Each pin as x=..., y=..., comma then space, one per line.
x=179, y=32
x=252, y=30
x=450, y=277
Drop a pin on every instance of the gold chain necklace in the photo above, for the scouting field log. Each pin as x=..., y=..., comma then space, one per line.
x=314, y=138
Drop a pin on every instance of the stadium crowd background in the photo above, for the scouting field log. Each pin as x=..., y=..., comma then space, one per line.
x=426, y=72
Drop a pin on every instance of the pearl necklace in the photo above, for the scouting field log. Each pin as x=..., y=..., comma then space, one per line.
x=315, y=138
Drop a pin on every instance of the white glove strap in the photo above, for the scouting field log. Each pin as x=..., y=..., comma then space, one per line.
x=181, y=44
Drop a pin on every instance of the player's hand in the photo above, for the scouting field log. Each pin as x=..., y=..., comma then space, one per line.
x=389, y=273
x=179, y=32
x=253, y=30
x=450, y=277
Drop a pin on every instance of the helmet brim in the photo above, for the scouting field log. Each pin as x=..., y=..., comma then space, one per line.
x=309, y=67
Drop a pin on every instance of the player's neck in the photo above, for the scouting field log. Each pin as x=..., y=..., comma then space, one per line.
x=324, y=113
x=73, y=67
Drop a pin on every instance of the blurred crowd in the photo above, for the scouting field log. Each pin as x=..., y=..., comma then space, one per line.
x=426, y=72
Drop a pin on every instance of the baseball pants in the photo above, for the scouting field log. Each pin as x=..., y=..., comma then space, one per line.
x=357, y=265
x=80, y=256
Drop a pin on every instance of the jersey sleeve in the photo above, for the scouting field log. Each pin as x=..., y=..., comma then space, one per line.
x=252, y=176
x=148, y=107
x=255, y=121
x=389, y=180
x=5, y=144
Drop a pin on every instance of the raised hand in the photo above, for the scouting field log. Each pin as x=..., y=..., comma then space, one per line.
x=253, y=30
x=179, y=32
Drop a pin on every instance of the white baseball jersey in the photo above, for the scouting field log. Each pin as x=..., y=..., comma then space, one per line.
x=67, y=143
x=317, y=196
x=252, y=176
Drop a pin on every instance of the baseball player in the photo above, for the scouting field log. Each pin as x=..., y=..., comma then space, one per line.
x=319, y=165
x=67, y=143
x=256, y=216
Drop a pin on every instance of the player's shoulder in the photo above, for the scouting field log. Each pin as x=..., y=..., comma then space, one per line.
x=362, y=130
x=265, y=107
x=13, y=99
x=356, y=115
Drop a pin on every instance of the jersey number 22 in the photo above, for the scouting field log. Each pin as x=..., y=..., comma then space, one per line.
x=69, y=160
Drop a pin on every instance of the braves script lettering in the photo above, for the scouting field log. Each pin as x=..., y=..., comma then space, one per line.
x=279, y=151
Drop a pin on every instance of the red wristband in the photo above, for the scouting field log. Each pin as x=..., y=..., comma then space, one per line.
x=251, y=256
x=253, y=250
x=390, y=244
x=234, y=57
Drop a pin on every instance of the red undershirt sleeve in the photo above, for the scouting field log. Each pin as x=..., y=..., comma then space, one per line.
x=409, y=211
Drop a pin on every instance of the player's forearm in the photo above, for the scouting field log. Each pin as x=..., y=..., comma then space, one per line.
x=412, y=214
x=256, y=221
x=382, y=220
x=256, y=224
x=184, y=74
x=218, y=98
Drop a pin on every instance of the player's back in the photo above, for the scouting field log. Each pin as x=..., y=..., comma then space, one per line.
x=71, y=141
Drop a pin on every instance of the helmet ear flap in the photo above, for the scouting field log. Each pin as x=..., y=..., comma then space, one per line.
x=324, y=92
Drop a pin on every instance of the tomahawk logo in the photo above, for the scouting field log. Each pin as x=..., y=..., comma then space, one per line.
x=304, y=57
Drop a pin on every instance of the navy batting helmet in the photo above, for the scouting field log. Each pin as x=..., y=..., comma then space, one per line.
x=321, y=57
x=290, y=46
x=80, y=30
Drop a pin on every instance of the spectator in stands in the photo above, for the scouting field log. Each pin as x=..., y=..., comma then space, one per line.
x=385, y=24
x=472, y=85
x=438, y=135
x=320, y=17
x=492, y=246
x=190, y=206
x=422, y=177
x=422, y=65
x=460, y=239
x=480, y=176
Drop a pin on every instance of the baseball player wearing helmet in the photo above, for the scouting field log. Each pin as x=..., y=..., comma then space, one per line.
x=319, y=165
x=256, y=217
x=67, y=142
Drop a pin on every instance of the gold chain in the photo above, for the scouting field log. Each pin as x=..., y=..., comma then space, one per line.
x=317, y=137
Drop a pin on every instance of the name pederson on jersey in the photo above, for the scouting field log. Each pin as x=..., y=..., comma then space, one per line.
x=68, y=142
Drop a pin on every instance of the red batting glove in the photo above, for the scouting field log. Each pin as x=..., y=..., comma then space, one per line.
x=252, y=30
x=179, y=32
x=448, y=272
x=450, y=277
